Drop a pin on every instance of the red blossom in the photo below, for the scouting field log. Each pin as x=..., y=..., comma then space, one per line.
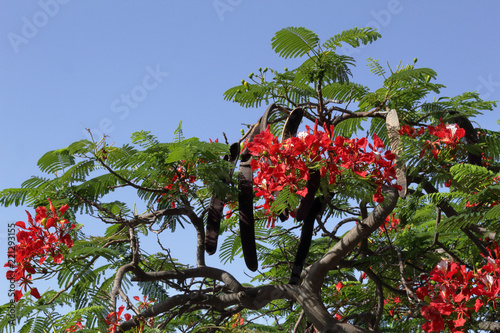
x=115, y=318
x=36, y=243
x=454, y=293
x=288, y=164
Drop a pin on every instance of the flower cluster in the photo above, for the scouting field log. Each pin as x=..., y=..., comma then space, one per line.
x=179, y=182
x=45, y=236
x=390, y=223
x=454, y=293
x=445, y=136
x=392, y=305
x=289, y=163
x=115, y=318
x=143, y=305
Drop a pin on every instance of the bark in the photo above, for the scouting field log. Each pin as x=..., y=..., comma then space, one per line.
x=317, y=272
x=202, y=272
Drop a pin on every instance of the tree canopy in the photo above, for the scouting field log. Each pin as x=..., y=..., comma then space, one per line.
x=359, y=209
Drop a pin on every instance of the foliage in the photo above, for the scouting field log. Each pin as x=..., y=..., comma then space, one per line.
x=393, y=230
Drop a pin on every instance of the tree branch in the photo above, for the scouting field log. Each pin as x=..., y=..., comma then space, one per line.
x=316, y=273
x=199, y=272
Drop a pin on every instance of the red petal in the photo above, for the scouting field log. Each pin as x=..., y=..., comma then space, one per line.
x=63, y=209
x=17, y=295
x=58, y=258
x=35, y=293
x=52, y=208
x=50, y=222
x=21, y=224
x=377, y=142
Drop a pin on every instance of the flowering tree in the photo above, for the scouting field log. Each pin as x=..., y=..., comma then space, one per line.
x=392, y=228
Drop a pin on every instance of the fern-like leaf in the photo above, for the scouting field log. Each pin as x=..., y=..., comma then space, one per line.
x=375, y=67
x=294, y=42
x=55, y=161
x=353, y=37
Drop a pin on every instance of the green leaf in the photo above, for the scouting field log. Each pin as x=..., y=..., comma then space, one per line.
x=327, y=67
x=375, y=67
x=294, y=42
x=353, y=37
x=178, y=133
x=55, y=161
x=409, y=74
x=145, y=138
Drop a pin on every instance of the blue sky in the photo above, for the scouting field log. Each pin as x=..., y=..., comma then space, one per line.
x=120, y=66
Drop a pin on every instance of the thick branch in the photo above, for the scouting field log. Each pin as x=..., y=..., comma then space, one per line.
x=251, y=298
x=316, y=273
x=200, y=233
x=201, y=272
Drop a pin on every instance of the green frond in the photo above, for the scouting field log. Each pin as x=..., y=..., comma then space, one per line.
x=145, y=139
x=492, y=141
x=372, y=99
x=179, y=135
x=251, y=97
x=460, y=221
x=34, y=325
x=294, y=42
x=348, y=127
x=80, y=148
x=96, y=187
x=344, y=92
x=326, y=66
x=79, y=172
x=16, y=196
x=55, y=161
x=435, y=107
x=153, y=290
x=375, y=67
x=126, y=156
x=284, y=200
x=354, y=37
x=471, y=177
x=439, y=197
x=184, y=151
x=409, y=74
x=230, y=248
x=493, y=213
x=468, y=104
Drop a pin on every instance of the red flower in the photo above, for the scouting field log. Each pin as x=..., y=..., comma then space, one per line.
x=114, y=318
x=288, y=164
x=36, y=242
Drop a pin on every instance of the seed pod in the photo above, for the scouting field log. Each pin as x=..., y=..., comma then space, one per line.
x=305, y=241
